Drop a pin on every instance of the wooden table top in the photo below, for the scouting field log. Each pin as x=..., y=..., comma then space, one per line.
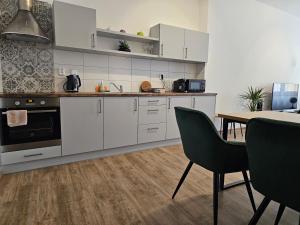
x=244, y=117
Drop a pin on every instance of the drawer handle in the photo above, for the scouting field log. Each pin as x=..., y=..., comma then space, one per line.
x=32, y=155
x=153, y=110
x=153, y=101
x=153, y=128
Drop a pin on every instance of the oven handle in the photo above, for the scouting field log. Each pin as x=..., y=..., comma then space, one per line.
x=37, y=111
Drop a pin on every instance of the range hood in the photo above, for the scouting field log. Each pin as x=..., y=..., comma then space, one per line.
x=24, y=27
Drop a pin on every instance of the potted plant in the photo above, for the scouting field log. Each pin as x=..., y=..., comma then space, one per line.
x=254, y=98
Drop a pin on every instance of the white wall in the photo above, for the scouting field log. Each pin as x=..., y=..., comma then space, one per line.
x=251, y=43
x=140, y=15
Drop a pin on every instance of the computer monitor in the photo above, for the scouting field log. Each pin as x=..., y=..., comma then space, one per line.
x=284, y=96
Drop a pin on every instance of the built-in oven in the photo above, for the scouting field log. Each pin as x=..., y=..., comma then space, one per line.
x=43, y=124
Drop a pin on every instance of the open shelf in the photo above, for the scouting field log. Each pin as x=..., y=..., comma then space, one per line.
x=125, y=36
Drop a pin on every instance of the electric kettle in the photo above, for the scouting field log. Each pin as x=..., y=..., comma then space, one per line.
x=72, y=84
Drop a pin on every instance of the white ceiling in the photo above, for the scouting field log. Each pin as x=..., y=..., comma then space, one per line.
x=290, y=6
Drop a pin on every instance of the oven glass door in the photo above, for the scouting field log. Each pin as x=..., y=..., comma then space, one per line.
x=43, y=124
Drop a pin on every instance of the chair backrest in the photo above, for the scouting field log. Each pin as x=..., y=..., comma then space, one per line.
x=274, y=159
x=200, y=139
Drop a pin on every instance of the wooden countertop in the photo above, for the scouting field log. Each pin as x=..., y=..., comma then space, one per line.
x=96, y=94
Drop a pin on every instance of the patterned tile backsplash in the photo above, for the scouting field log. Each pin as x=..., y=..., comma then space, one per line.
x=26, y=66
x=32, y=67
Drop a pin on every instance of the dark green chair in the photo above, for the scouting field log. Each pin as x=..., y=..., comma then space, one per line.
x=274, y=158
x=203, y=146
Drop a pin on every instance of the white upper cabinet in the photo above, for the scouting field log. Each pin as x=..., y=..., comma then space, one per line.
x=74, y=26
x=172, y=102
x=196, y=46
x=81, y=124
x=120, y=121
x=180, y=43
x=171, y=40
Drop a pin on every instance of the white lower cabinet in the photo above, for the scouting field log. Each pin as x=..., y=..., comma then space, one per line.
x=120, y=121
x=81, y=124
x=172, y=127
x=151, y=132
x=30, y=155
x=205, y=104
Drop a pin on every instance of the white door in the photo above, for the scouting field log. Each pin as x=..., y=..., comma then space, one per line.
x=172, y=127
x=205, y=104
x=74, y=26
x=120, y=121
x=81, y=124
x=171, y=42
x=196, y=46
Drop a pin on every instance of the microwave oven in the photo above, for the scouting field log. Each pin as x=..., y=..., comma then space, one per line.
x=189, y=85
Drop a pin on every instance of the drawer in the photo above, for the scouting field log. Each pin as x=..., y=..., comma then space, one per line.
x=152, y=114
x=152, y=101
x=151, y=132
x=30, y=155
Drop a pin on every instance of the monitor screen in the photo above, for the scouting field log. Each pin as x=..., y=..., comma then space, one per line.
x=284, y=96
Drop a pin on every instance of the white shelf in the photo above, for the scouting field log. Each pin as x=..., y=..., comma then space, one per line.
x=125, y=36
x=123, y=54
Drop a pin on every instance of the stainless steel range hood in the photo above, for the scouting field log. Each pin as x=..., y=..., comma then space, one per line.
x=24, y=27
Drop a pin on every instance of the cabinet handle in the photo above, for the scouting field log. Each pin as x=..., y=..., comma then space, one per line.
x=153, y=128
x=169, y=103
x=32, y=155
x=93, y=40
x=194, y=103
x=135, y=105
x=100, y=106
x=153, y=110
x=162, y=49
x=153, y=101
x=186, y=53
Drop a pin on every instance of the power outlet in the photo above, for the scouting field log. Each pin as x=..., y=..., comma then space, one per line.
x=62, y=71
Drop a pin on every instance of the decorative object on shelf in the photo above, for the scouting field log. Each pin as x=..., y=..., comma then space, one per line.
x=145, y=86
x=123, y=31
x=124, y=46
x=140, y=33
x=254, y=98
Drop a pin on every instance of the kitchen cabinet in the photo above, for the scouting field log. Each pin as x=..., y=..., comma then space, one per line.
x=205, y=104
x=196, y=45
x=172, y=127
x=180, y=43
x=74, y=26
x=171, y=40
x=120, y=121
x=81, y=124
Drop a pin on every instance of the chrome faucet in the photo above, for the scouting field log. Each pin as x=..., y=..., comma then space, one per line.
x=119, y=88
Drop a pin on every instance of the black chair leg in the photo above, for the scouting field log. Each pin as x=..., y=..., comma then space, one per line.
x=249, y=190
x=242, y=133
x=182, y=178
x=279, y=214
x=216, y=187
x=259, y=211
x=234, y=133
x=222, y=180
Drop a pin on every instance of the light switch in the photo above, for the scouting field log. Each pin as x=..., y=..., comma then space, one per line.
x=62, y=71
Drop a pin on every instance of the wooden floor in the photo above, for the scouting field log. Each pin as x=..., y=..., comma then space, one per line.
x=128, y=189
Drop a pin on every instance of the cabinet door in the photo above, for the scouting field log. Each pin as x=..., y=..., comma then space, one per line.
x=120, y=121
x=205, y=104
x=81, y=124
x=74, y=26
x=172, y=127
x=196, y=46
x=171, y=42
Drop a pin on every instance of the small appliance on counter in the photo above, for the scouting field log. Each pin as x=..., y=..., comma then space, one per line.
x=73, y=83
x=189, y=85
